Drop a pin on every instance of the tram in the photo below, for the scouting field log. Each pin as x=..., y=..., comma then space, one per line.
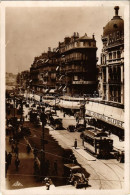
x=97, y=142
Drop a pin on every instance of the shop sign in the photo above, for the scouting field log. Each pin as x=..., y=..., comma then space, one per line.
x=106, y=119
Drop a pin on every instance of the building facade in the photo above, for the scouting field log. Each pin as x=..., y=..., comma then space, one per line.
x=112, y=60
x=69, y=69
x=78, y=65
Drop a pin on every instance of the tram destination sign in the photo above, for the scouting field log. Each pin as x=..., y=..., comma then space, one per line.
x=106, y=119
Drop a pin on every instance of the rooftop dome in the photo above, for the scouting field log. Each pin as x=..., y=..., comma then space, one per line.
x=115, y=24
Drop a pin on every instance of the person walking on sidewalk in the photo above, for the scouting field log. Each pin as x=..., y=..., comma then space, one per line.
x=9, y=157
x=16, y=150
x=12, y=146
x=75, y=143
x=17, y=162
x=47, y=182
x=28, y=148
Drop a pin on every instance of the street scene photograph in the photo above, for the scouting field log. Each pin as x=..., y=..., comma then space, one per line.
x=65, y=98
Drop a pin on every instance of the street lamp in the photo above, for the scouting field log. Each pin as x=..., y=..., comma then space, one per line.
x=42, y=164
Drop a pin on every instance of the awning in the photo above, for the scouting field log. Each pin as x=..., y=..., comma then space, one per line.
x=57, y=49
x=60, y=88
x=57, y=68
x=47, y=60
x=61, y=77
x=64, y=89
x=46, y=90
x=52, y=91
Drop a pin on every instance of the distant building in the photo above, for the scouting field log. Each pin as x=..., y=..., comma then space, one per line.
x=10, y=80
x=112, y=60
x=23, y=79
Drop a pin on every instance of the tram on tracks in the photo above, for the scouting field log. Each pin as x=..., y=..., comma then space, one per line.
x=97, y=143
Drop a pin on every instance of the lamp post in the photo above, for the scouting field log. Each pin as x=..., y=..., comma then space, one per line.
x=42, y=163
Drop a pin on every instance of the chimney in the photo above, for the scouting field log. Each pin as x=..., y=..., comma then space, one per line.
x=116, y=10
x=74, y=34
x=93, y=36
x=49, y=48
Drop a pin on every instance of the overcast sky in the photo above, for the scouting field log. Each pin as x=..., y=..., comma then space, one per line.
x=31, y=30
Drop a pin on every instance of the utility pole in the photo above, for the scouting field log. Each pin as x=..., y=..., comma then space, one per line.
x=42, y=163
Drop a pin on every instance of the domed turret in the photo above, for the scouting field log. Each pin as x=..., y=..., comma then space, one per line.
x=115, y=24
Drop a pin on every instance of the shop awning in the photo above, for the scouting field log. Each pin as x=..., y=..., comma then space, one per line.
x=52, y=91
x=64, y=89
x=46, y=90
x=57, y=68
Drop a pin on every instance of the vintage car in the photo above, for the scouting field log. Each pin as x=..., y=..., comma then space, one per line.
x=80, y=127
x=75, y=176
x=71, y=128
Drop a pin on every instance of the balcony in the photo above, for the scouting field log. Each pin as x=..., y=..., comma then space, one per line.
x=82, y=82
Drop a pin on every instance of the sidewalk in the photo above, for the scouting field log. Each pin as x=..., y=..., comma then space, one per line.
x=24, y=177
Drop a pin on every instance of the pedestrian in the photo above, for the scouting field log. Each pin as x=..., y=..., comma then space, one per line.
x=28, y=148
x=16, y=150
x=83, y=142
x=109, y=132
x=12, y=146
x=9, y=158
x=10, y=140
x=47, y=182
x=35, y=152
x=17, y=162
x=75, y=143
x=55, y=167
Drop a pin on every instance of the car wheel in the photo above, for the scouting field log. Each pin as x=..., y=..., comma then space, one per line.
x=76, y=184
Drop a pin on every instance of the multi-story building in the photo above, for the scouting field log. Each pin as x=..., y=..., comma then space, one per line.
x=43, y=71
x=109, y=112
x=23, y=79
x=112, y=59
x=68, y=69
x=78, y=65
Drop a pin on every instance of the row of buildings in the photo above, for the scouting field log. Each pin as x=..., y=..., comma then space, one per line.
x=71, y=69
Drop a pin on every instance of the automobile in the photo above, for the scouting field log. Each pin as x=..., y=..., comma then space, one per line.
x=82, y=135
x=119, y=155
x=75, y=176
x=58, y=124
x=71, y=128
x=80, y=127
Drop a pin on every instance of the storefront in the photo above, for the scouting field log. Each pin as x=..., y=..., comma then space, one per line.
x=108, y=117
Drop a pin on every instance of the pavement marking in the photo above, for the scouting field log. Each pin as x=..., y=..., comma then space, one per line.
x=17, y=183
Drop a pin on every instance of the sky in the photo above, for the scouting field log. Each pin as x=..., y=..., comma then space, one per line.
x=31, y=30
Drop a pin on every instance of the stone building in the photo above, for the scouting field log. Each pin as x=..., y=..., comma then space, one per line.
x=112, y=59
x=78, y=65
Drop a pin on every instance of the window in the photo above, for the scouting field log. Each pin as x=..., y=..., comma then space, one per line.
x=110, y=56
x=75, y=78
x=118, y=54
x=114, y=55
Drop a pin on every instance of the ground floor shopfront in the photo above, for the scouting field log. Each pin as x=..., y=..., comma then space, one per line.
x=107, y=117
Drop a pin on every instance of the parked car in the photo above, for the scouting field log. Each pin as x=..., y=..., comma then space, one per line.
x=76, y=176
x=71, y=128
x=80, y=127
